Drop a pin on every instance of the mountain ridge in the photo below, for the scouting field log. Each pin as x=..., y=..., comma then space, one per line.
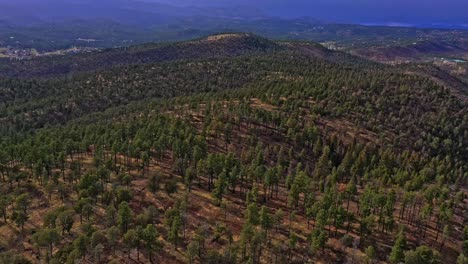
x=230, y=148
x=131, y=12
x=212, y=46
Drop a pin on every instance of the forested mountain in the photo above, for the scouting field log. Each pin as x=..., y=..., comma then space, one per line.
x=230, y=148
x=419, y=51
x=223, y=45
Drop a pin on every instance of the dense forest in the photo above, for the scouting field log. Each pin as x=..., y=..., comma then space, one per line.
x=230, y=149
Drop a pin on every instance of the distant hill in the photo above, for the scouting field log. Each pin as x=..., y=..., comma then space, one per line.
x=129, y=12
x=418, y=51
x=101, y=79
x=222, y=45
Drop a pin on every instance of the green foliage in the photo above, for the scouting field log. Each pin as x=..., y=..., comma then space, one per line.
x=422, y=255
x=20, y=215
x=192, y=251
x=462, y=259
x=65, y=220
x=397, y=254
x=81, y=245
x=171, y=186
x=370, y=253
x=271, y=129
x=347, y=240
x=47, y=238
x=265, y=219
x=174, y=224
x=124, y=217
x=10, y=257
x=318, y=240
x=150, y=240
x=220, y=187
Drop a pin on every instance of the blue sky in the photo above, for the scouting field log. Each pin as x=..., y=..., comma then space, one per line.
x=362, y=11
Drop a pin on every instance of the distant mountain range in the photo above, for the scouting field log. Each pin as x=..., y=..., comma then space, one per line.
x=419, y=25
x=152, y=13
x=50, y=25
x=130, y=12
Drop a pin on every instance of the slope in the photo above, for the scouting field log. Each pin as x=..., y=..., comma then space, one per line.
x=292, y=154
x=233, y=44
x=417, y=51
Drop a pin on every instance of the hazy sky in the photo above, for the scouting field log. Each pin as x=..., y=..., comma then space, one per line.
x=348, y=11
x=404, y=11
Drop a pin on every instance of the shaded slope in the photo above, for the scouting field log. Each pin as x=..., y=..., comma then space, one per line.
x=225, y=45
x=378, y=98
x=278, y=119
x=415, y=52
x=457, y=87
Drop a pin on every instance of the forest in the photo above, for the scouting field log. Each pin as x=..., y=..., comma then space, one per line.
x=230, y=149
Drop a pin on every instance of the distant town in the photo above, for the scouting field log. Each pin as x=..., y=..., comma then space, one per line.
x=20, y=54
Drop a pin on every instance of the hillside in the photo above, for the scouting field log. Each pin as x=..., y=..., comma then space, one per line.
x=230, y=148
x=442, y=61
x=226, y=45
x=417, y=51
x=218, y=62
x=452, y=76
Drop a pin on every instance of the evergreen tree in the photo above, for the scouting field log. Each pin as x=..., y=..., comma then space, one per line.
x=20, y=215
x=124, y=217
x=397, y=254
x=151, y=241
x=47, y=238
x=220, y=187
x=422, y=255
x=265, y=220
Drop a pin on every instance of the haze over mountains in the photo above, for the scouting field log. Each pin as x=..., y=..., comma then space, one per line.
x=123, y=11
x=447, y=14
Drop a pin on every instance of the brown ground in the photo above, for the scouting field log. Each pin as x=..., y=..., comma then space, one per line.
x=203, y=211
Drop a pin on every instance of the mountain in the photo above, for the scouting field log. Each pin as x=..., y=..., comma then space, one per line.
x=418, y=51
x=53, y=77
x=129, y=12
x=222, y=45
x=231, y=148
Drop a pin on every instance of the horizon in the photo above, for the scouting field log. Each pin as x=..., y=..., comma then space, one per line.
x=416, y=13
x=359, y=12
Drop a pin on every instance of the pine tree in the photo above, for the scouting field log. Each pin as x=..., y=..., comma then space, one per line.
x=422, y=255
x=66, y=221
x=154, y=182
x=20, y=215
x=174, y=224
x=265, y=220
x=150, y=241
x=252, y=214
x=323, y=166
x=124, y=217
x=371, y=254
x=318, y=239
x=81, y=245
x=131, y=240
x=47, y=238
x=398, y=250
x=220, y=187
